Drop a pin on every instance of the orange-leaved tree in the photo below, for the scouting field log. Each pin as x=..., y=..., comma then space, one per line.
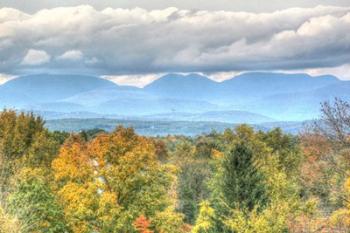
x=106, y=183
x=142, y=224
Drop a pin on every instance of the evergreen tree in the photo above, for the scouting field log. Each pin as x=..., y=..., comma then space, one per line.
x=242, y=183
x=192, y=187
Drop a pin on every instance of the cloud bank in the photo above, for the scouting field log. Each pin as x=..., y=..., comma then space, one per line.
x=139, y=41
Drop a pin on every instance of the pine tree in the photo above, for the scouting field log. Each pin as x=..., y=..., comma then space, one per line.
x=242, y=183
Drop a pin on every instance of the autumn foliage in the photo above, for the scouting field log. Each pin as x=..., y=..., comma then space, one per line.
x=240, y=180
x=142, y=225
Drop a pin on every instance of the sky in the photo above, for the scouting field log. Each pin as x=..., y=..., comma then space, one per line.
x=135, y=42
x=31, y=6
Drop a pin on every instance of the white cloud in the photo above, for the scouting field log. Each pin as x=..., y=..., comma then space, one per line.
x=71, y=55
x=173, y=40
x=133, y=80
x=5, y=78
x=35, y=57
x=222, y=76
x=342, y=72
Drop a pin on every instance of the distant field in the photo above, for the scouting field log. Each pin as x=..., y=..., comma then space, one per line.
x=160, y=128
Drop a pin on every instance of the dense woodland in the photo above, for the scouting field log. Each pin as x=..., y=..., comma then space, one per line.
x=241, y=180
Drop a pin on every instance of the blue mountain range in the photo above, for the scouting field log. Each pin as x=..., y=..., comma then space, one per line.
x=247, y=98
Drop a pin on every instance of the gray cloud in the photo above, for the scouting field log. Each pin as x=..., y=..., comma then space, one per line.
x=122, y=41
x=230, y=5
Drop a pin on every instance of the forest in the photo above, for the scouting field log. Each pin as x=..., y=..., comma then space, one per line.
x=241, y=180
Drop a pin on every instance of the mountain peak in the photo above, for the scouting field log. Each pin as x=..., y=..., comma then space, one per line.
x=191, y=86
x=49, y=87
x=180, y=81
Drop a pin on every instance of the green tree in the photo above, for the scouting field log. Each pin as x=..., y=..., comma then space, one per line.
x=286, y=148
x=192, y=187
x=42, y=151
x=242, y=183
x=17, y=134
x=34, y=204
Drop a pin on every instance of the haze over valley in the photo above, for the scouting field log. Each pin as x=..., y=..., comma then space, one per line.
x=253, y=98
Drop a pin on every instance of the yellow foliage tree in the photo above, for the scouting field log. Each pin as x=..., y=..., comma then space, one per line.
x=8, y=223
x=105, y=184
x=204, y=221
x=283, y=207
x=341, y=217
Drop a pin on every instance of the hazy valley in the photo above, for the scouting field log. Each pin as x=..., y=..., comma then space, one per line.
x=253, y=98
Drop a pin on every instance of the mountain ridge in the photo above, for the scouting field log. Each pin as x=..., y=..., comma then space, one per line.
x=279, y=96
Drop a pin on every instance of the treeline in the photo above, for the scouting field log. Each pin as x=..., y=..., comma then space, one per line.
x=240, y=180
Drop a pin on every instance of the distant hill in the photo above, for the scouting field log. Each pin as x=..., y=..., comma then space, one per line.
x=160, y=128
x=138, y=106
x=235, y=117
x=192, y=86
x=44, y=88
x=286, y=97
x=262, y=84
x=219, y=116
x=250, y=97
x=98, y=96
x=12, y=98
x=253, y=86
x=299, y=105
x=135, y=101
x=240, y=89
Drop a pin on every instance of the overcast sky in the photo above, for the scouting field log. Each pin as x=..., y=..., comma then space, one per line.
x=136, y=45
x=232, y=5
